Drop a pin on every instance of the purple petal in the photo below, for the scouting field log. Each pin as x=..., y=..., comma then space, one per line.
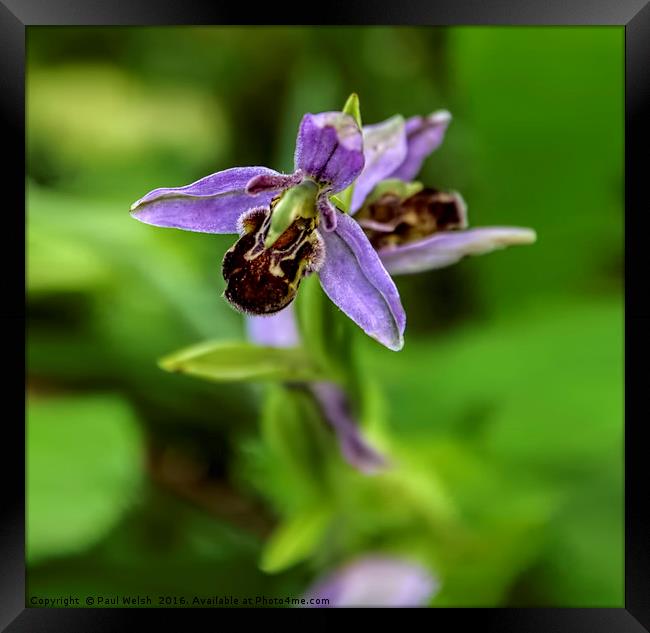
x=447, y=247
x=354, y=278
x=356, y=451
x=210, y=205
x=328, y=212
x=423, y=136
x=329, y=149
x=276, y=330
x=376, y=581
x=384, y=150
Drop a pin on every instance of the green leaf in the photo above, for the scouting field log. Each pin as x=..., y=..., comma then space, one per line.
x=195, y=554
x=295, y=539
x=84, y=459
x=222, y=361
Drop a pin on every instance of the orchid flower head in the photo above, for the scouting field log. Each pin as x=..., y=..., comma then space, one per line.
x=289, y=228
x=415, y=228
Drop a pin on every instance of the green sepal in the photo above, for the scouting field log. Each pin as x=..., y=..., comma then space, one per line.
x=353, y=108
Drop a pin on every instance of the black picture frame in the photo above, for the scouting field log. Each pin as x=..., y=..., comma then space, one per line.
x=634, y=15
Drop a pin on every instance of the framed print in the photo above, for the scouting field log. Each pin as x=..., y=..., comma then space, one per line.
x=346, y=314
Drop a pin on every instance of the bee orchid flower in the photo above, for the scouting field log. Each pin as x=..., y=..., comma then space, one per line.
x=415, y=228
x=289, y=228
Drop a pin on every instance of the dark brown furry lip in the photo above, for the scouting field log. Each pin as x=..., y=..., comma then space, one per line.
x=392, y=221
x=265, y=280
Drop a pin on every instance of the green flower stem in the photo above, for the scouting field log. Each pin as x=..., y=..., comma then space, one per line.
x=325, y=332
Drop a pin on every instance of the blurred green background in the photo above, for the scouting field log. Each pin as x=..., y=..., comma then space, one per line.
x=505, y=407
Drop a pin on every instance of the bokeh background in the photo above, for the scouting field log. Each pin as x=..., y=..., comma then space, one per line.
x=505, y=405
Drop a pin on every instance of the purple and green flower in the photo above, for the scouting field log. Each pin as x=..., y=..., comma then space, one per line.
x=352, y=213
x=293, y=225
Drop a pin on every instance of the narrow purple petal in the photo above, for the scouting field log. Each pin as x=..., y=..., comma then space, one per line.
x=423, y=136
x=354, y=278
x=447, y=247
x=328, y=212
x=329, y=149
x=275, y=182
x=384, y=150
x=276, y=330
x=354, y=448
x=376, y=581
x=210, y=205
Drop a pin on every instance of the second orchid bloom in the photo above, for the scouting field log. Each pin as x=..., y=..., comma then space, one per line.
x=293, y=225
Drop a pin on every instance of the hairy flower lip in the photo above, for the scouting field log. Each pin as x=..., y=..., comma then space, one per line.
x=393, y=219
x=264, y=280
